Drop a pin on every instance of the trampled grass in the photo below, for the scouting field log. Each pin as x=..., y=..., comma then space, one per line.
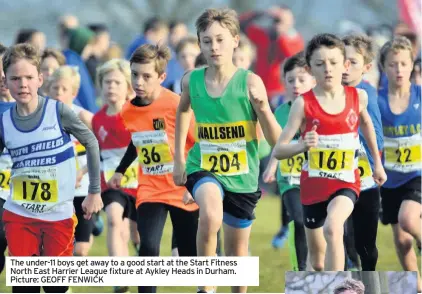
x=273, y=263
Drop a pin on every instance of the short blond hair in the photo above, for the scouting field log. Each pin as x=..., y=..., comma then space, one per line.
x=226, y=17
x=159, y=54
x=398, y=43
x=117, y=64
x=67, y=72
x=21, y=51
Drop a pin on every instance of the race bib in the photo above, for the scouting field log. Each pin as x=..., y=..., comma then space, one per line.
x=334, y=157
x=403, y=154
x=80, y=155
x=365, y=170
x=154, y=152
x=30, y=186
x=5, y=179
x=228, y=159
x=291, y=168
x=130, y=178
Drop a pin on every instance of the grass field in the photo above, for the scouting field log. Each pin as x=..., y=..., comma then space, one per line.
x=273, y=263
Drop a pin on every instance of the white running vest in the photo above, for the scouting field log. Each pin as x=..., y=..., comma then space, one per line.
x=5, y=169
x=81, y=160
x=110, y=161
x=43, y=177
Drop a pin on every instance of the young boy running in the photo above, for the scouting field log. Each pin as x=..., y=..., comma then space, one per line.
x=113, y=80
x=6, y=102
x=400, y=106
x=151, y=118
x=328, y=117
x=297, y=81
x=64, y=86
x=359, y=53
x=38, y=215
x=222, y=168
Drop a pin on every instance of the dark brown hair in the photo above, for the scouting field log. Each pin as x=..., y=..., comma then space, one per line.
x=323, y=40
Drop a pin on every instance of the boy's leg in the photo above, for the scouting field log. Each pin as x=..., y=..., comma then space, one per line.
x=405, y=251
x=151, y=218
x=208, y=196
x=365, y=217
x=133, y=226
x=314, y=217
x=24, y=239
x=185, y=228
x=58, y=240
x=83, y=232
x=114, y=206
x=339, y=209
x=394, y=203
x=297, y=238
x=174, y=251
x=351, y=254
x=236, y=240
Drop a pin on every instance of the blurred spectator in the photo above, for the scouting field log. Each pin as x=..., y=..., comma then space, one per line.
x=113, y=52
x=51, y=59
x=177, y=31
x=186, y=52
x=157, y=31
x=33, y=37
x=244, y=55
x=98, y=48
x=274, y=43
x=86, y=94
x=66, y=23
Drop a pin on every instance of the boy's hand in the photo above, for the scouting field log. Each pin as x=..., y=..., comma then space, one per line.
x=269, y=174
x=179, y=173
x=92, y=204
x=257, y=95
x=311, y=138
x=379, y=174
x=115, y=181
x=187, y=198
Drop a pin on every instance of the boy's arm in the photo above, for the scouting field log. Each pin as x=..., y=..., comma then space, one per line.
x=86, y=118
x=128, y=158
x=369, y=134
x=375, y=115
x=183, y=122
x=283, y=149
x=73, y=125
x=259, y=100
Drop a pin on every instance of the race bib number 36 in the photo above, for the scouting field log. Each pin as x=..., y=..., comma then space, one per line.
x=227, y=159
x=153, y=152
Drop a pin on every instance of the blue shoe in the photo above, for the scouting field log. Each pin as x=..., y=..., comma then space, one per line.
x=280, y=238
x=98, y=225
x=351, y=266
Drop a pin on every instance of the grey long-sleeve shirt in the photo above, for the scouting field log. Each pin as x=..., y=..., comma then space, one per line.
x=72, y=125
